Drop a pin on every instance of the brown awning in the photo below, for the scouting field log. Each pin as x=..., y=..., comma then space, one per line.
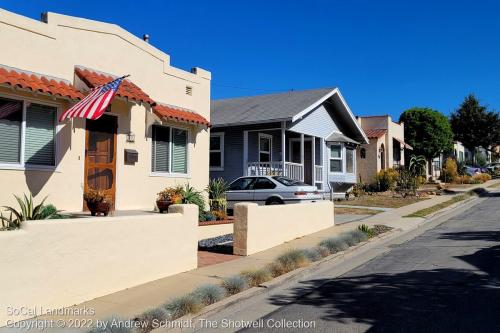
x=404, y=144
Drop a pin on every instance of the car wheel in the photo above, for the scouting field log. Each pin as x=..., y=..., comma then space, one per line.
x=274, y=201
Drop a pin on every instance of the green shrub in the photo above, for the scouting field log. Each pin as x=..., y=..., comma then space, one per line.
x=112, y=325
x=366, y=229
x=234, y=284
x=209, y=293
x=292, y=259
x=351, y=238
x=386, y=179
x=191, y=196
x=183, y=305
x=313, y=254
x=256, y=277
x=450, y=171
x=149, y=319
x=334, y=244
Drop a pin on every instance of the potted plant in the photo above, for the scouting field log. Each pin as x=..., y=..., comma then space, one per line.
x=167, y=197
x=97, y=202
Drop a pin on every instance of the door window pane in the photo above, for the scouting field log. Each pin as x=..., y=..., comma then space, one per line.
x=11, y=117
x=263, y=184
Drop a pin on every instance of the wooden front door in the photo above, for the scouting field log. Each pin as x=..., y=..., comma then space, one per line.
x=100, y=156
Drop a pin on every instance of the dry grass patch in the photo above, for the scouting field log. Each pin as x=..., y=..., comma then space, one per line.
x=355, y=211
x=429, y=210
x=382, y=201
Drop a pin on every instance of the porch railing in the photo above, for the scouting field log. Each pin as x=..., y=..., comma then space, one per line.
x=291, y=170
x=318, y=171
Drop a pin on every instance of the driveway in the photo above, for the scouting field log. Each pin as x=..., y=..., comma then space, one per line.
x=445, y=280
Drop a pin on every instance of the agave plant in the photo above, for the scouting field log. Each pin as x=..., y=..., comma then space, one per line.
x=417, y=165
x=28, y=211
x=192, y=196
x=217, y=193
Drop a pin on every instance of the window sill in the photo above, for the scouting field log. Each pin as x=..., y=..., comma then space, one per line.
x=170, y=175
x=217, y=169
x=29, y=167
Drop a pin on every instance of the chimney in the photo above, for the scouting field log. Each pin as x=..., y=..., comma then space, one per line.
x=145, y=38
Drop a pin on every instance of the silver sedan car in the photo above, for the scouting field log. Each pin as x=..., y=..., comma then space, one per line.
x=270, y=190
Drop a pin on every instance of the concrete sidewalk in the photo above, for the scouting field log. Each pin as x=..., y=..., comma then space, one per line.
x=133, y=301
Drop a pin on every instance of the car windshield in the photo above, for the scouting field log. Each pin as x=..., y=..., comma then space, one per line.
x=288, y=182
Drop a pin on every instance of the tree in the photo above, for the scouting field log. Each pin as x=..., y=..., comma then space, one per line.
x=428, y=131
x=474, y=125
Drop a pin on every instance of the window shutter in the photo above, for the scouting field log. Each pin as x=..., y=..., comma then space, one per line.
x=11, y=116
x=179, y=151
x=160, y=154
x=40, y=133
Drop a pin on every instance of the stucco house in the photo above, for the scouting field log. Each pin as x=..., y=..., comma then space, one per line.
x=154, y=134
x=308, y=135
x=386, y=148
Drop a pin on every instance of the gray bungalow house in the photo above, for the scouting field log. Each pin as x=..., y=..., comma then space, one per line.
x=308, y=135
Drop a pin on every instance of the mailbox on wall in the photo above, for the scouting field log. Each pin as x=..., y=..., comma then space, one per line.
x=131, y=156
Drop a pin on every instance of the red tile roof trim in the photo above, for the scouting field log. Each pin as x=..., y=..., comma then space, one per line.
x=375, y=133
x=175, y=113
x=127, y=89
x=38, y=83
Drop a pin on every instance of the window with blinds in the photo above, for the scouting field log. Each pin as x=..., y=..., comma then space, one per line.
x=37, y=138
x=169, y=150
x=11, y=118
x=40, y=135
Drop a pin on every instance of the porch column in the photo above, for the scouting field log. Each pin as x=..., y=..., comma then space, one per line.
x=302, y=154
x=313, y=148
x=283, y=151
x=245, y=153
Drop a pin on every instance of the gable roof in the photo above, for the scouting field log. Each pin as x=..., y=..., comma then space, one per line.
x=264, y=108
x=288, y=106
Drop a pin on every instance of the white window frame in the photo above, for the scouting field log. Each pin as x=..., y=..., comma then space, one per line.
x=22, y=165
x=219, y=135
x=171, y=174
x=270, y=152
x=341, y=158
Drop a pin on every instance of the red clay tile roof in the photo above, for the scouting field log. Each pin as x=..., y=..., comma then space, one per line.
x=38, y=82
x=175, y=113
x=375, y=133
x=127, y=89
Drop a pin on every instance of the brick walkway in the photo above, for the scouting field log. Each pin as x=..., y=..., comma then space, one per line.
x=206, y=258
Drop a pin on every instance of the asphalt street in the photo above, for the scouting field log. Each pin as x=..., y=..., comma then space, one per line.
x=445, y=280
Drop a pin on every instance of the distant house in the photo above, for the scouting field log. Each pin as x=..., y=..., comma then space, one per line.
x=386, y=148
x=308, y=135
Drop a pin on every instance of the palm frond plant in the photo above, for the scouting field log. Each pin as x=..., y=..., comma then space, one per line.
x=192, y=196
x=27, y=211
x=217, y=194
x=417, y=165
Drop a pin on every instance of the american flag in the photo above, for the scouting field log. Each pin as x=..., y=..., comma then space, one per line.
x=95, y=103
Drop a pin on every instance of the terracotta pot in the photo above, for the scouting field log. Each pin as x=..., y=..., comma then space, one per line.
x=97, y=208
x=163, y=205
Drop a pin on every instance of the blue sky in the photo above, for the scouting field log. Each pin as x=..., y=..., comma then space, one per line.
x=385, y=56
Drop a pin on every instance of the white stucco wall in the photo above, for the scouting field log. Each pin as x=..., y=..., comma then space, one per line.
x=257, y=228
